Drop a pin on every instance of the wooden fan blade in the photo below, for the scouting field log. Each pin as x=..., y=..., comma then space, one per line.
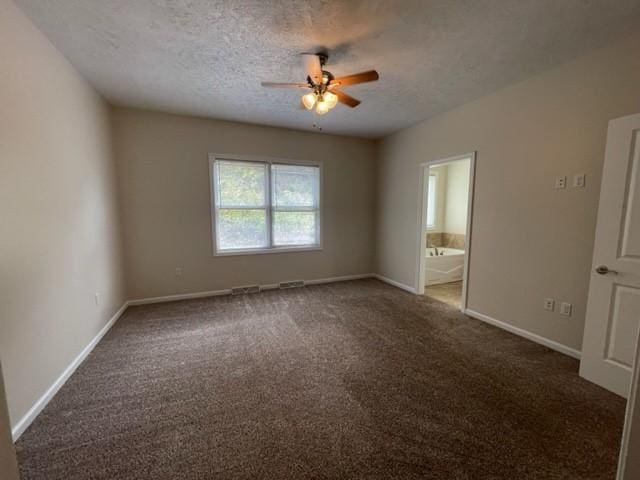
x=284, y=85
x=346, y=99
x=312, y=67
x=362, y=77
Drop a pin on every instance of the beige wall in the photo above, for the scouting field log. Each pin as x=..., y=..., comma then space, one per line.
x=164, y=177
x=60, y=240
x=529, y=240
x=457, y=194
x=8, y=465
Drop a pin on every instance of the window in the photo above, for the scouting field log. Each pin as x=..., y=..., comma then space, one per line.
x=262, y=206
x=431, y=202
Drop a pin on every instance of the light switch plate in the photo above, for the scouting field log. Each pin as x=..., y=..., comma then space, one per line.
x=579, y=180
x=565, y=309
x=560, y=182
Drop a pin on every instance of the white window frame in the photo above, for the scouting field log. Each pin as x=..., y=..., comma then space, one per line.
x=213, y=157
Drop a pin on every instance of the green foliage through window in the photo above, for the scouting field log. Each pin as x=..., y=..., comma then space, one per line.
x=261, y=205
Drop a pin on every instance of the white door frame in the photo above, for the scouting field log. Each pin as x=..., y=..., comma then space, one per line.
x=633, y=406
x=422, y=222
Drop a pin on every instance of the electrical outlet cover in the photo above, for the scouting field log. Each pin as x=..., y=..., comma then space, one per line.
x=549, y=304
x=560, y=182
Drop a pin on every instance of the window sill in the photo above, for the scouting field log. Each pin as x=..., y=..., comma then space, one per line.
x=262, y=251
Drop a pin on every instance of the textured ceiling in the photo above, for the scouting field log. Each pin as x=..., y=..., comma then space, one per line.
x=208, y=57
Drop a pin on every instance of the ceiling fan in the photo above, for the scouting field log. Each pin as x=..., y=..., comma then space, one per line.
x=325, y=93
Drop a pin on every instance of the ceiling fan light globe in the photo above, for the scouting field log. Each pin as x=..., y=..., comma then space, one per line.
x=322, y=108
x=309, y=100
x=331, y=99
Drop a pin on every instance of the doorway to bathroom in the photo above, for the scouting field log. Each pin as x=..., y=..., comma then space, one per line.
x=445, y=229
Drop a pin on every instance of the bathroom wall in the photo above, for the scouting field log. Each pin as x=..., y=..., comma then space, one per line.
x=452, y=183
x=440, y=172
x=457, y=195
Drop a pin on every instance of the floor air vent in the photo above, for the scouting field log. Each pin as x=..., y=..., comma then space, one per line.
x=243, y=290
x=291, y=284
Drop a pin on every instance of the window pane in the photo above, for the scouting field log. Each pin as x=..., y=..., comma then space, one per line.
x=294, y=228
x=295, y=186
x=241, y=184
x=431, y=202
x=239, y=229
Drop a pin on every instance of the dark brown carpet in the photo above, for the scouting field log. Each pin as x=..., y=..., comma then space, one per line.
x=347, y=380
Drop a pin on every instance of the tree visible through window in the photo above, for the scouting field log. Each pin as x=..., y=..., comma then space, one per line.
x=264, y=205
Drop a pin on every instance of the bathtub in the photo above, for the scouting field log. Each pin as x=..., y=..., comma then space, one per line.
x=444, y=268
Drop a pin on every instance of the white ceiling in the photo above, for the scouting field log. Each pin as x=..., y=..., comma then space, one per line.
x=208, y=57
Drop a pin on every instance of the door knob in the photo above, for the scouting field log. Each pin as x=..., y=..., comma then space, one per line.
x=603, y=270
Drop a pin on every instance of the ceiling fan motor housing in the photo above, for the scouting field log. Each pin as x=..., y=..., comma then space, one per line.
x=323, y=58
x=324, y=86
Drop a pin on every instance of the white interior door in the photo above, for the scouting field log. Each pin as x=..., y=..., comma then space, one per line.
x=613, y=308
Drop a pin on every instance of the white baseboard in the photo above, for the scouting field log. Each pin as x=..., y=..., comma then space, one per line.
x=227, y=291
x=525, y=334
x=343, y=278
x=179, y=296
x=30, y=416
x=394, y=283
